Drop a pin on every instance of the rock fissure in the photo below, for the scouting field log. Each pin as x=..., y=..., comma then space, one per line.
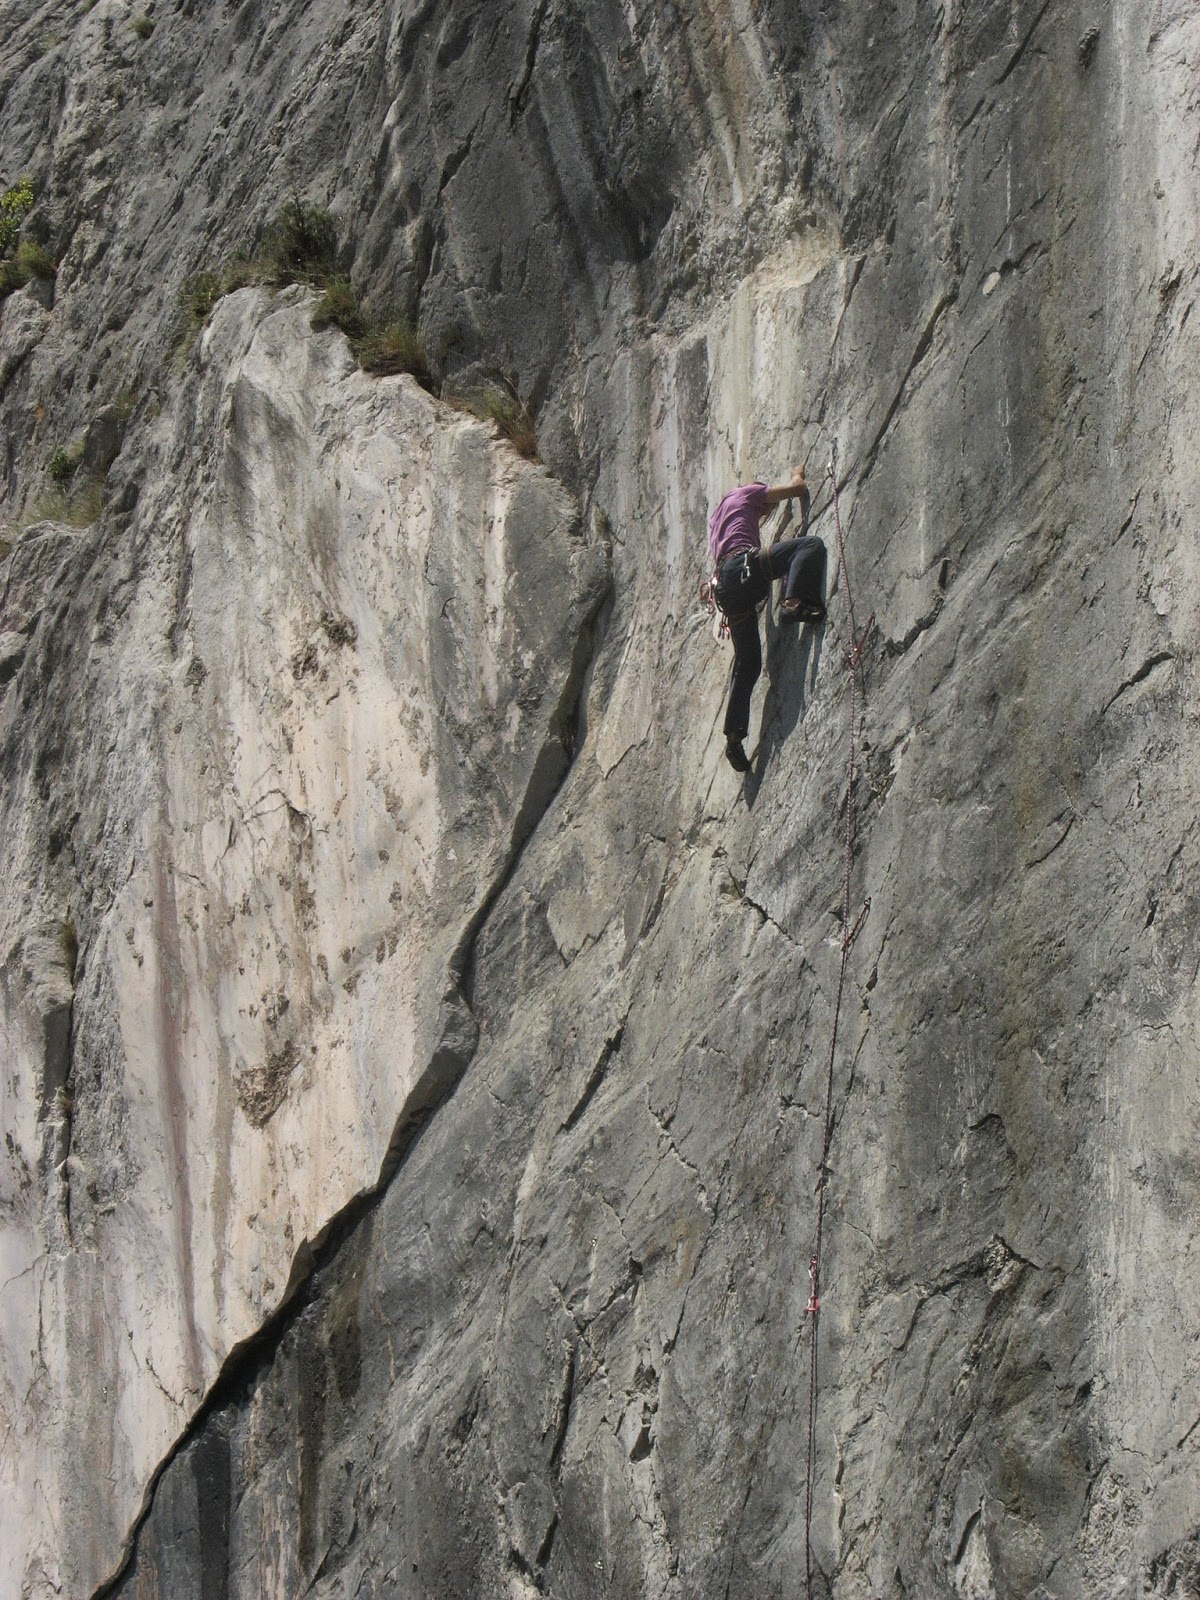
x=429, y=1096
x=519, y=93
x=923, y=345
x=1018, y=54
x=665, y=1134
x=1159, y=659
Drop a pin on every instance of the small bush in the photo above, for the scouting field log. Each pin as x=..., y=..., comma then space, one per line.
x=34, y=260
x=20, y=259
x=143, y=26
x=339, y=308
x=30, y=261
x=300, y=245
x=11, y=279
x=17, y=261
x=14, y=203
x=63, y=464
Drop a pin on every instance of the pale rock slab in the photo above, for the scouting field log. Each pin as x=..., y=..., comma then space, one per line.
x=335, y=696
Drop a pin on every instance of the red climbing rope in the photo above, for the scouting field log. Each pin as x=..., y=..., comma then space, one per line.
x=850, y=932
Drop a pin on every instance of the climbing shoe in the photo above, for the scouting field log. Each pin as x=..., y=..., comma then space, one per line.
x=736, y=755
x=800, y=611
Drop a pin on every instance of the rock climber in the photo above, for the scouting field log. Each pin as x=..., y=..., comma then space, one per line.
x=743, y=572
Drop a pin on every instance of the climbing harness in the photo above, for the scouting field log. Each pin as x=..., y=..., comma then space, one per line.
x=850, y=932
x=708, y=596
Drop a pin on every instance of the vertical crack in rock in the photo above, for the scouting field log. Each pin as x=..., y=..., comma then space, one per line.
x=449, y=1062
x=921, y=350
x=596, y=1078
x=1018, y=54
x=519, y=93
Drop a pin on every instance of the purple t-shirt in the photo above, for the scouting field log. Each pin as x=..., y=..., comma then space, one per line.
x=733, y=526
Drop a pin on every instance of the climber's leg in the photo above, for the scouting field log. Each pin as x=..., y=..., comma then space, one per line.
x=801, y=562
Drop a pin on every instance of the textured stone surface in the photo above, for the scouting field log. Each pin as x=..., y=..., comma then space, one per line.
x=564, y=1351
x=271, y=741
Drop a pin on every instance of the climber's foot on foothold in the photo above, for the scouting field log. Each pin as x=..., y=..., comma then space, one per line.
x=736, y=755
x=799, y=611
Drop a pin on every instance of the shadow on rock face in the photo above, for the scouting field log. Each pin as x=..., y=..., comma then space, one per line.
x=790, y=658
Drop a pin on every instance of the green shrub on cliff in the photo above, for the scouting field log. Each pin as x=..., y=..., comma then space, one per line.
x=382, y=344
x=340, y=308
x=63, y=464
x=300, y=246
x=14, y=203
x=34, y=260
x=20, y=259
x=31, y=261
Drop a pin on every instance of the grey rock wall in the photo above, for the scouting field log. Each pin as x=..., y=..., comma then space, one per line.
x=562, y=1348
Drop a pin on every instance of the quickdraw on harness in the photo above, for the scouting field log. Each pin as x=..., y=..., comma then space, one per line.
x=850, y=932
x=708, y=597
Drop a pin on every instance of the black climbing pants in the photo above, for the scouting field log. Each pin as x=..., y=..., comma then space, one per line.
x=743, y=584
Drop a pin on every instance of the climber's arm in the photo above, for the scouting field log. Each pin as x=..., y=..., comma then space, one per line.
x=787, y=491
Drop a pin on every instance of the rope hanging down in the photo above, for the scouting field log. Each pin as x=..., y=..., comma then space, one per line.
x=853, y=660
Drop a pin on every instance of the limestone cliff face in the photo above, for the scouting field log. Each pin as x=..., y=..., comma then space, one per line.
x=273, y=741
x=415, y=1036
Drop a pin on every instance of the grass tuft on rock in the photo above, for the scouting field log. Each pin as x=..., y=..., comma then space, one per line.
x=340, y=308
x=383, y=344
x=394, y=347
x=77, y=505
x=503, y=408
